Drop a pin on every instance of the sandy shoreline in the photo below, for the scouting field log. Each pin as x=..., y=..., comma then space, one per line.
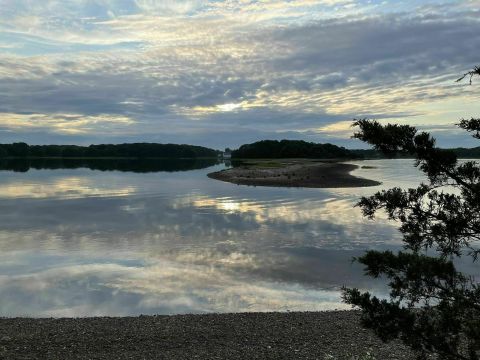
x=315, y=335
x=306, y=174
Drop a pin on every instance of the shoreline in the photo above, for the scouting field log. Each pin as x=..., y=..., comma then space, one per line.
x=309, y=174
x=328, y=335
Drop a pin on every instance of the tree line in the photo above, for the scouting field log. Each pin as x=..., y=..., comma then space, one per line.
x=268, y=149
x=274, y=149
x=135, y=150
x=462, y=153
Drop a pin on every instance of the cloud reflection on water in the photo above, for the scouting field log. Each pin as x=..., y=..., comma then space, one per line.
x=176, y=243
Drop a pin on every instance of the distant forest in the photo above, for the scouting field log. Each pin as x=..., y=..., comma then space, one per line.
x=268, y=149
x=136, y=150
x=273, y=149
x=462, y=153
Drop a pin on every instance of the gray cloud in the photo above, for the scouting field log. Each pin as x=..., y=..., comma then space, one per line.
x=283, y=79
x=384, y=49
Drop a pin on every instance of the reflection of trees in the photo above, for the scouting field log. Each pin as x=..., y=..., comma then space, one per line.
x=131, y=165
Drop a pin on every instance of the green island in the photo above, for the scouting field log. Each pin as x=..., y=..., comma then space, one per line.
x=292, y=163
x=296, y=163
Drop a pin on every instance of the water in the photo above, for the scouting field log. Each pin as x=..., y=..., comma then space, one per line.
x=82, y=242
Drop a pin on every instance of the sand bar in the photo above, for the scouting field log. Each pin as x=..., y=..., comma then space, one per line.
x=294, y=174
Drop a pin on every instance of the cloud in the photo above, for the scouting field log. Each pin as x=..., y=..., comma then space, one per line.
x=71, y=124
x=240, y=67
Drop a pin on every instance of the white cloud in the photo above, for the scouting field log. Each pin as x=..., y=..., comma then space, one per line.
x=64, y=123
x=134, y=67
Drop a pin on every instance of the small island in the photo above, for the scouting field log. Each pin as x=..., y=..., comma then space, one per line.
x=294, y=173
x=292, y=163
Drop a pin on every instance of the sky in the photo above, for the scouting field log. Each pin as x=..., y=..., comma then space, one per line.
x=225, y=73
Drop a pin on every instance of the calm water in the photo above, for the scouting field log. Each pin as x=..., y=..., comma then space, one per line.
x=82, y=242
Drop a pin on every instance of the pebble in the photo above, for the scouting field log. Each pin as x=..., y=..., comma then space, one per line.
x=215, y=336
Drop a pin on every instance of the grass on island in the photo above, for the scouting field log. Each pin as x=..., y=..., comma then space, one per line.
x=277, y=163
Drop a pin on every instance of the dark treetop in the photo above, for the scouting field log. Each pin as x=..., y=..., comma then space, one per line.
x=135, y=150
x=273, y=149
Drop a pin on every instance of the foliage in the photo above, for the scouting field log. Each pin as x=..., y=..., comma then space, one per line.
x=433, y=307
x=273, y=149
x=470, y=74
x=135, y=150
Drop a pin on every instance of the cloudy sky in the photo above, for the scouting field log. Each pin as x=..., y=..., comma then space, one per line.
x=223, y=73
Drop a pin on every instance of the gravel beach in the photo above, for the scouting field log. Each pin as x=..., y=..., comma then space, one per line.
x=308, y=174
x=315, y=335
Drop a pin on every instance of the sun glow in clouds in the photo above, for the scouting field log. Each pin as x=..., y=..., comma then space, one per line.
x=228, y=107
x=142, y=70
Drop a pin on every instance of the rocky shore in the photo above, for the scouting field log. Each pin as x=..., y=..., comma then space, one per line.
x=307, y=174
x=315, y=335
